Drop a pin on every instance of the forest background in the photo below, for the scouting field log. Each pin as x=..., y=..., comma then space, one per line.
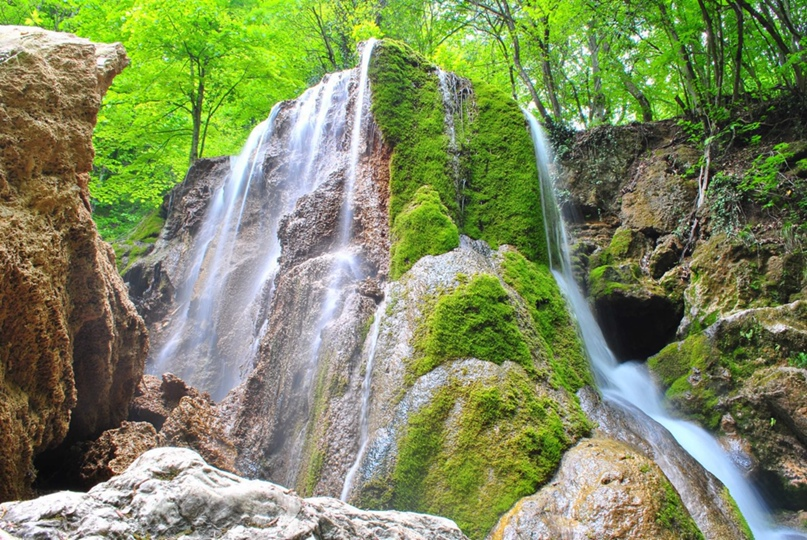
x=204, y=72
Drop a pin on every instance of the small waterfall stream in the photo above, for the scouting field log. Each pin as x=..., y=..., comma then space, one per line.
x=364, y=415
x=630, y=385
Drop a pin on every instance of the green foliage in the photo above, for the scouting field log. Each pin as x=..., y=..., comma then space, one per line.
x=474, y=321
x=799, y=360
x=503, y=193
x=473, y=466
x=673, y=516
x=423, y=228
x=535, y=284
x=763, y=179
x=725, y=204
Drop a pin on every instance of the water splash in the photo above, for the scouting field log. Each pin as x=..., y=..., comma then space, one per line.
x=630, y=385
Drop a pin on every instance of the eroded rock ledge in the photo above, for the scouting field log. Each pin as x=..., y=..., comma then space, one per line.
x=72, y=346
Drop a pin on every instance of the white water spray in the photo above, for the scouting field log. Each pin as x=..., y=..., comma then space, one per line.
x=630, y=385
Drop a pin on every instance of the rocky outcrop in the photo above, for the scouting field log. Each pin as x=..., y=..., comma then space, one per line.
x=115, y=450
x=73, y=345
x=603, y=489
x=742, y=377
x=628, y=192
x=477, y=409
x=706, y=500
x=172, y=493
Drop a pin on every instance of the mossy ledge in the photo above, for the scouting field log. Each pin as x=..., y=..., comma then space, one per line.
x=502, y=192
x=422, y=228
x=476, y=320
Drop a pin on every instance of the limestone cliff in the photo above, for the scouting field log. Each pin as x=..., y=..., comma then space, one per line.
x=72, y=346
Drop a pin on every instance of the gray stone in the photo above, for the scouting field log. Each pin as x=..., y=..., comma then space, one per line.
x=173, y=493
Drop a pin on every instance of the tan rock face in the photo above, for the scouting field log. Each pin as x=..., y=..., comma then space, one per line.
x=71, y=343
x=115, y=450
x=604, y=489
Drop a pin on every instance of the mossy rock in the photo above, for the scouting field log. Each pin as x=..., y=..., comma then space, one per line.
x=549, y=312
x=503, y=194
x=423, y=228
x=501, y=200
x=478, y=446
x=139, y=242
x=741, y=376
x=476, y=320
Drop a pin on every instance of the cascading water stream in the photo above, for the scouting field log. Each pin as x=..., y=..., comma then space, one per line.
x=629, y=385
x=221, y=314
x=344, y=268
x=364, y=415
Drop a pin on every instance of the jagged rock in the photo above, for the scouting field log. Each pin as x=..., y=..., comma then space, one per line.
x=155, y=398
x=603, y=489
x=115, y=450
x=149, y=404
x=770, y=412
x=74, y=345
x=662, y=191
x=173, y=493
x=195, y=423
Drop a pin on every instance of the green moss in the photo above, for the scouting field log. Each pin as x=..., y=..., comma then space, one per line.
x=501, y=196
x=313, y=472
x=676, y=360
x=605, y=280
x=535, y=284
x=621, y=243
x=503, y=192
x=474, y=321
x=408, y=108
x=422, y=228
x=149, y=229
x=675, y=364
x=738, y=515
x=473, y=466
x=139, y=242
x=673, y=516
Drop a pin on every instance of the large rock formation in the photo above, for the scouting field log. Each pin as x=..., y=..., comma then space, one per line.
x=727, y=279
x=72, y=346
x=604, y=489
x=173, y=493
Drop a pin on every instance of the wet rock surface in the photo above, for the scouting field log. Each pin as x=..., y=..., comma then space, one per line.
x=173, y=493
x=738, y=378
x=603, y=489
x=75, y=344
x=701, y=493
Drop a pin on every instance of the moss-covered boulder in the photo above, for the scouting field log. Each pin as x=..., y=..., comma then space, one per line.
x=603, y=489
x=744, y=378
x=475, y=404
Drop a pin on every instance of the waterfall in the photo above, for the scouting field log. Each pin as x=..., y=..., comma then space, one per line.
x=221, y=315
x=629, y=385
x=364, y=415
